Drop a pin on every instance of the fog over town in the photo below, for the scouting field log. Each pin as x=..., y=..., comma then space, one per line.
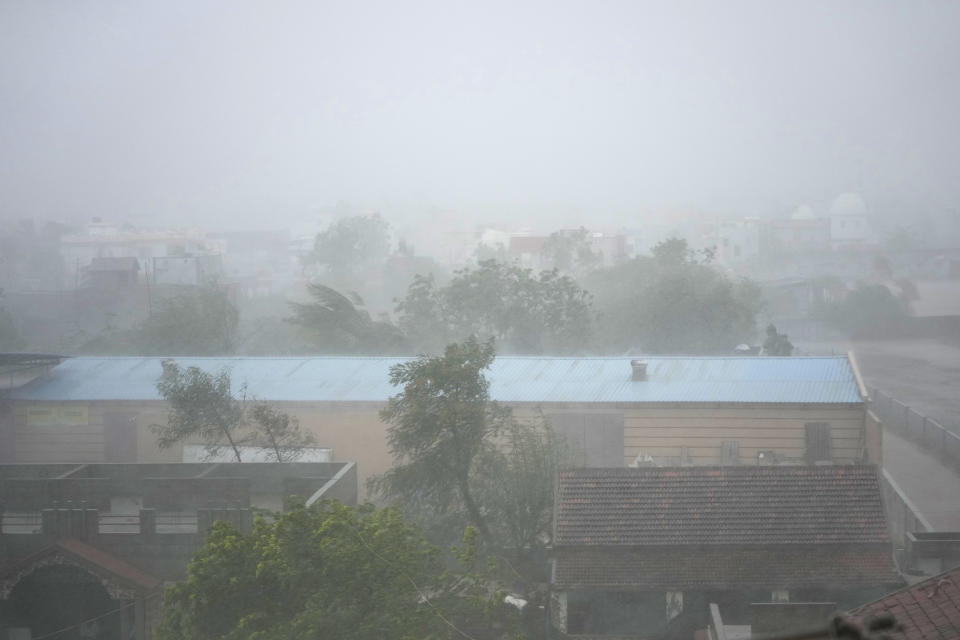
x=479, y=320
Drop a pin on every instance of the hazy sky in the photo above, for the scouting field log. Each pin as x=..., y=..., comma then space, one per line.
x=247, y=112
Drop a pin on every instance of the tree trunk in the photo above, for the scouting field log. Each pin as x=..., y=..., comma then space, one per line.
x=474, y=511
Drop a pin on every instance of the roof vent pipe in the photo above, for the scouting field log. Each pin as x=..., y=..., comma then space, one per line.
x=639, y=369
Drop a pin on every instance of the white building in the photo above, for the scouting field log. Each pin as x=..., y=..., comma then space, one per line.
x=849, y=224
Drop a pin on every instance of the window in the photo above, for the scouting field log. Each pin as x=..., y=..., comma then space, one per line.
x=818, y=442
x=729, y=452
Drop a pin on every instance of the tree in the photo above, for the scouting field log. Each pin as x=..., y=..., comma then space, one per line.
x=440, y=424
x=351, y=244
x=200, y=322
x=328, y=572
x=202, y=405
x=570, y=251
x=526, y=313
x=671, y=303
x=674, y=252
x=279, y=433
x=338, y=324
x=461, y=459
x=776, y=344
x=516, y=480
x=867, y=311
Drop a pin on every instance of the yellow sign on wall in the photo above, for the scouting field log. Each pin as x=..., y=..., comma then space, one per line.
x=66, y=415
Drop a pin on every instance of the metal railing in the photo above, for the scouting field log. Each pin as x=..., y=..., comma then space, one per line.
x=926, y=431
x=21, y=523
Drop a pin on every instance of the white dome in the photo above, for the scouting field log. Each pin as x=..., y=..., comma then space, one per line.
x=848, y=204
x=803, y=212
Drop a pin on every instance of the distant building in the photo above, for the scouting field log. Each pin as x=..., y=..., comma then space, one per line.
x=527, y=251
x=112, y=274
x=102, y=240
x=738, y=240
x=638, y=551
x=849, y=223
x=191, y=270
x=810, y=236
x=98, y=542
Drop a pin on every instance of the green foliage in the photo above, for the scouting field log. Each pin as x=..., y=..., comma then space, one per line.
x=674, y=252
x=672, y=304
x=776, y=344
x=516, y=483
x=329, y=572
x=202, y=405
x=526, y=313
x=570, y=251
x=439, y=425
x=869, y=310
x=351, y=244
x=335, y=323
x=461, y=459
x=279, y=433
x=200, y=322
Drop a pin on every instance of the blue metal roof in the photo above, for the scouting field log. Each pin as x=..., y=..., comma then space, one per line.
x=513, y=379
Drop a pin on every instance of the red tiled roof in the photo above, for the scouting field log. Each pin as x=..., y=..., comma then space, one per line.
x=719, y=505
x=929, y=610
x=109, y=563
x=96, y=560
x=725, y=567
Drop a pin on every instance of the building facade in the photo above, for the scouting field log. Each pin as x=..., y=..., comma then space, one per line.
x=644, y=552
x=97, y=542
x=677, y=411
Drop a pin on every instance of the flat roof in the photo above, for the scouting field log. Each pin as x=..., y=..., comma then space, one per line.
x=514, y=379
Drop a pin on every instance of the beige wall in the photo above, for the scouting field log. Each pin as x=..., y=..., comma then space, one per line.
x=662, y=432
x=64, y=437
x=354, y=431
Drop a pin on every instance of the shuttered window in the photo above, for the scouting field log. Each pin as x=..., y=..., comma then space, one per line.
x=818, y=442
x=730, y=452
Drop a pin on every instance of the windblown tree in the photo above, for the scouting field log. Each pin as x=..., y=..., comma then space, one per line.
x=202, y=406
x=335, y=323
x=440, y=424
x=351, y=244
x=516, y=483
x=523, y=312
x=200, y=322
x=462, y=459
x=674, y=302
x=278, y=432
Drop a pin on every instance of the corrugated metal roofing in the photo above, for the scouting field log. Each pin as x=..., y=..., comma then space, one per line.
x=513, y=379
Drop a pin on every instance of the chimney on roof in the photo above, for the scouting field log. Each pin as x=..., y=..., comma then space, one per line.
x=639, y=369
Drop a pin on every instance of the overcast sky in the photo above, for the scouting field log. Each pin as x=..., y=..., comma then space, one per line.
x=243, y=113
